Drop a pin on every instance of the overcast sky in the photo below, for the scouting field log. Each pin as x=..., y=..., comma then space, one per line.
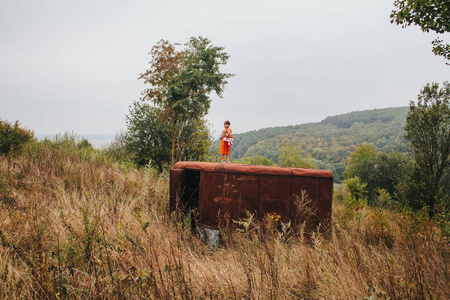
x=73, y=65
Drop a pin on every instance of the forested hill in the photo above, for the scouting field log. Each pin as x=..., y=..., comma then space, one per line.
x=331, y=141
x=384, y=115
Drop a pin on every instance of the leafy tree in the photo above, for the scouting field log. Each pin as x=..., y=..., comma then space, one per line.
x=165, y=64
x=428, y=131
x=362, y=165
x=378, y=170
x=390, y=170
x=429, y=15
x=13, y=137
x=291, y=156
x=149, y=134
x=181, y=83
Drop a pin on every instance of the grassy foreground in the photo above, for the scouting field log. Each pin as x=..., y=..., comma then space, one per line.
x=75, y=224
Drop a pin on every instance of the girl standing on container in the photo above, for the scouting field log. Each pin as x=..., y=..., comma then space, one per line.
x=226, y=142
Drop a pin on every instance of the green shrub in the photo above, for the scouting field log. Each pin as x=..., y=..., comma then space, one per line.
x=382, y=198
x=258, y=160
x=13, y=137
x=356, y=188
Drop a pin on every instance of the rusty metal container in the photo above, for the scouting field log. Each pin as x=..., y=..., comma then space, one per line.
x=219, y=189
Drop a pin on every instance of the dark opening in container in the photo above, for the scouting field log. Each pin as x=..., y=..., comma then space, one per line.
x=189, y=198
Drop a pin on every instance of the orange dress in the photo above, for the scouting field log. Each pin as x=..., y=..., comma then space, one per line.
x=224, y=146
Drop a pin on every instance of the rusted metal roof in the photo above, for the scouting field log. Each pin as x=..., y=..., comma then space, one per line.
x=251, y=169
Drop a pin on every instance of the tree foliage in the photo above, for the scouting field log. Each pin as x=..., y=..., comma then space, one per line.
x=429, y=15
x=362, y=165
x=356, y=187
x=291, y=156
x=378, y=170
x=428, y=131
x=382, y=115
x=181, y=82
x=259, y=160
x=165, y=64
x=149, y=137
x=391, y=169
x=13, y=137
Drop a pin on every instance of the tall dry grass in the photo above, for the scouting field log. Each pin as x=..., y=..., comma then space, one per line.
x=75, y=224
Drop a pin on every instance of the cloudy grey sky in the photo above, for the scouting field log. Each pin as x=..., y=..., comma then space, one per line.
x=73, y=65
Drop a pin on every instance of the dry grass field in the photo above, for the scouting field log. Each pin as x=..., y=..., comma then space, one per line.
x=77, y=224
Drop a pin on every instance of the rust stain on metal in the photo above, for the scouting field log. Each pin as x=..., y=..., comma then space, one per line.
x=243, y=178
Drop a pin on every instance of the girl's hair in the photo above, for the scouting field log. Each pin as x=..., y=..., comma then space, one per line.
x=227, y=122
